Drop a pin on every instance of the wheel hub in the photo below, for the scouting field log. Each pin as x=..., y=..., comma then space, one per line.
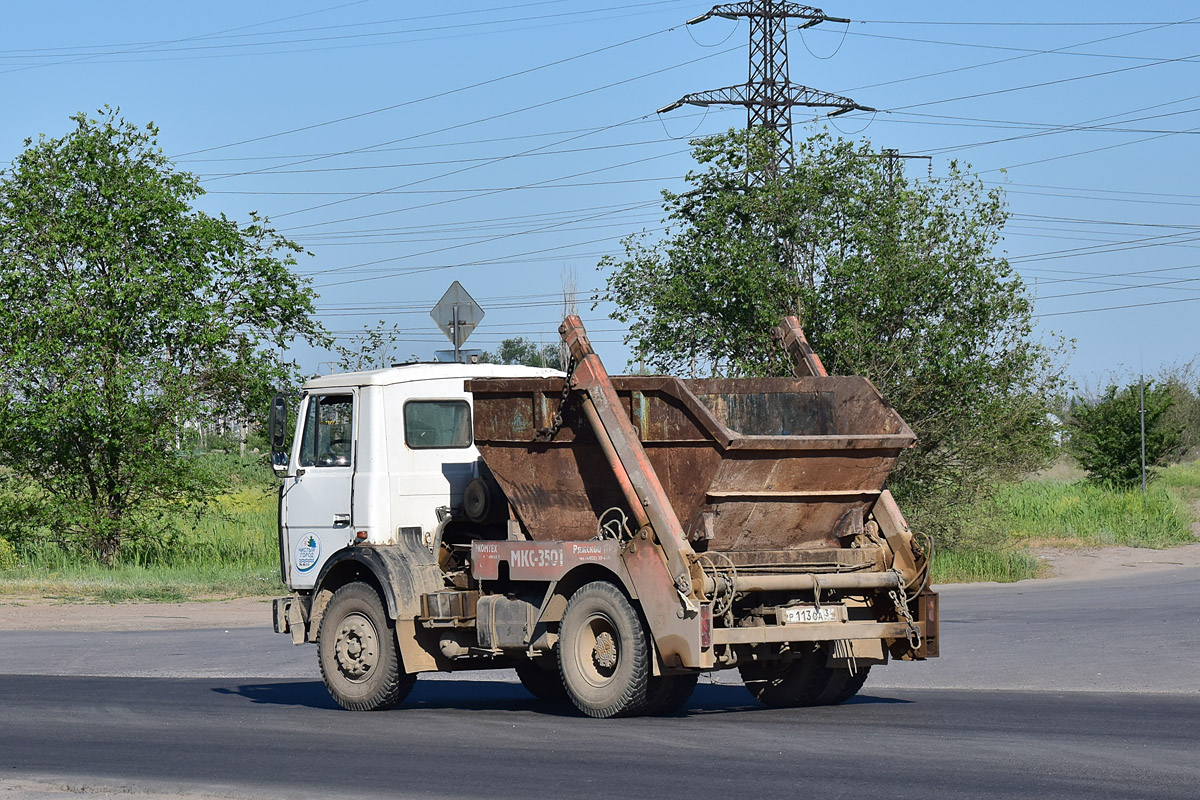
x=357, y=647
x=604, y=652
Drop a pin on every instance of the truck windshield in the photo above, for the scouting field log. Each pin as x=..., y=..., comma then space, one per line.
x=437, y=423
x=328, y=431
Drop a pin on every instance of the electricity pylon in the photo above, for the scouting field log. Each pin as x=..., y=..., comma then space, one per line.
x=769, y=95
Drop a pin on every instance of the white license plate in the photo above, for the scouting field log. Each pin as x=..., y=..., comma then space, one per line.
x=794, y=614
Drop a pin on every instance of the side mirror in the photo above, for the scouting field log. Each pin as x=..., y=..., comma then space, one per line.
x=277, y=431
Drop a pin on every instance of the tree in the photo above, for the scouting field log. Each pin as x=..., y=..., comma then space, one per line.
x=125, y=315
x=1106, y=434
x=371, y=349
x=519, y=350
x=1183, y=384
x=893, y=280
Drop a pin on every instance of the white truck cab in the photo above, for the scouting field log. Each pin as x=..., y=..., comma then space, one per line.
x=374, y=457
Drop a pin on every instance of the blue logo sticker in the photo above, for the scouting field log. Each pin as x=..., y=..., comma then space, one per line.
x=308, y=552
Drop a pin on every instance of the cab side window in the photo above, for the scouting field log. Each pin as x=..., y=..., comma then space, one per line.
x=328, y=438
x=437, y=423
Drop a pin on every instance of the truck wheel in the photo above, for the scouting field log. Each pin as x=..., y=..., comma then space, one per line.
x=667, y=694
x=806, y=681
x=603, y=655
x=542, y=679
x=356, y=646
x=842, y=686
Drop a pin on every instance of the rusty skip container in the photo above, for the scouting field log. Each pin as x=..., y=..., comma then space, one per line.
x=747, y=519
x=768, y=471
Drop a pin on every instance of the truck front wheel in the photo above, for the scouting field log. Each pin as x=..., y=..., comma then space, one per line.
x=356, y=646
x=603, y=654
x=804, y=681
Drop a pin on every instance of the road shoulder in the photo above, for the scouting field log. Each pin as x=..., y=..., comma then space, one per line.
x=33, y=614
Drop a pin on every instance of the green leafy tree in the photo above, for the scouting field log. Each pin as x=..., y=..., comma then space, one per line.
x=125, y=316
x=371, y=349
x=895, y=281
x=519, y=350
x=1106, y=434
x=1184, y=386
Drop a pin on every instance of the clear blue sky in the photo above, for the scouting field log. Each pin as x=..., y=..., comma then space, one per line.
x=504, y=145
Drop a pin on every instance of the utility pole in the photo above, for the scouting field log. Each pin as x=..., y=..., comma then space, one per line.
x=768, y=95
x=1142, y=413
x=893, y=158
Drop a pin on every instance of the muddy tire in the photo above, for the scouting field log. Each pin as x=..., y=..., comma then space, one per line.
x=356, y=647
x=542, y=679
x=842, y=686
x=603, y=654
x=666, y=694
x=805, y=681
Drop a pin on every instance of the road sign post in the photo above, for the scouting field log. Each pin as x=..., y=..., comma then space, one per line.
x=457, y=314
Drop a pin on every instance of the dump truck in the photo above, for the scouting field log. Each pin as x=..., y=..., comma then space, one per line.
x=609, y=538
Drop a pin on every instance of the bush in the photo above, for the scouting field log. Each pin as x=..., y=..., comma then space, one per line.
x=1184, y=385
x=8, y=556
x=1106, y=434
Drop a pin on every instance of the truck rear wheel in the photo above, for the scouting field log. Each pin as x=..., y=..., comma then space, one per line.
x=356, y=646
x=804, y=681
x=603, y=654
x=667, y=694
x=542, y=679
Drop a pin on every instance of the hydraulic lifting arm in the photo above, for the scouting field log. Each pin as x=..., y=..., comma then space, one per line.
x=623, y=449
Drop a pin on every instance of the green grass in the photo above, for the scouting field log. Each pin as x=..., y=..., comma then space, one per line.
x=231, y=550
x=1185, y=478
x=1083, y=514
x=89, y=582
x=228, y=550
x=980, y=564
x=1050, y=510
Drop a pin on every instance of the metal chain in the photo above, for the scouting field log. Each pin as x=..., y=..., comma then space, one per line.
x=900, y=598
x=548, y=434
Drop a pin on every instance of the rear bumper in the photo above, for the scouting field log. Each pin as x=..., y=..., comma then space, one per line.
x=894, y=633
x=813, y=632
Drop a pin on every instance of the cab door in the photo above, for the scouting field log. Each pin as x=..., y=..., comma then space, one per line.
x=318, y=490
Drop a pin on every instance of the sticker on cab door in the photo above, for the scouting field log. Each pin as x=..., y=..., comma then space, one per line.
x=307, y=553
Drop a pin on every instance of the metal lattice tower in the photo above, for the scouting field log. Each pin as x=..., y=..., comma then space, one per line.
x=768, y=95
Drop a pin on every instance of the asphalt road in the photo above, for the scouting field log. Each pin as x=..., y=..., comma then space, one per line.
x=476, y=739
x=1047, y=689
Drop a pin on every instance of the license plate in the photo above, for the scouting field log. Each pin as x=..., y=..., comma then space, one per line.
x=795, y=614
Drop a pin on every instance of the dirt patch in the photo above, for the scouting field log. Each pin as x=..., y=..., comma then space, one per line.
x=47, y=789
x=1103, y=562
x=31, y=614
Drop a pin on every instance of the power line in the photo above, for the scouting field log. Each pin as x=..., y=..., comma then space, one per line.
x=481, y=239
x=86, y=57
x=1023, y=23
x=490, y=118
x=223, y=34
x=488, y=193
x=1171, y=284
x=1118, y=308
x=434, y=96
x=1093, y=276
x=482, y=191
x=439, y=162
x=1042, y=84
x=1026, y=52
x=482, y=262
